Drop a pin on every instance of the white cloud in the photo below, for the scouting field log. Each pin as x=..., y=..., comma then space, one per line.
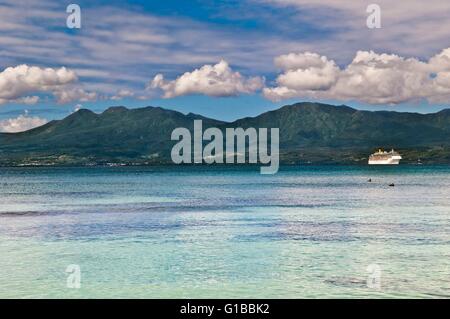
x=122, y=94
x=213, y=80
x=28, y=100
x=370, y=77
x=77, y=108
x=15, y=82
x=21, y=123
x=307, y=71
x=74, y=94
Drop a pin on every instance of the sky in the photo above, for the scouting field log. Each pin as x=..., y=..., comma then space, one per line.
x=222, y=59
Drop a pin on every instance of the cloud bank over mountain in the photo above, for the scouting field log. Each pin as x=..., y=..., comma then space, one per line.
x=21, y=123
x=371, y=78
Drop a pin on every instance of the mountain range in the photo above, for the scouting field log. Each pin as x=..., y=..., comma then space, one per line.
x=309, y=133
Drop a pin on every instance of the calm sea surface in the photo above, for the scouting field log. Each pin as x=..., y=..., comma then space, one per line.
x=180, y=232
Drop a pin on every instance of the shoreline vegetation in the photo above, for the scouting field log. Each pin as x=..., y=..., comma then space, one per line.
x=410, y=157
x=218, y=166
x=310, y=134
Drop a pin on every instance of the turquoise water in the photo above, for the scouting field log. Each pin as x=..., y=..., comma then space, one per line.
x=180, y=232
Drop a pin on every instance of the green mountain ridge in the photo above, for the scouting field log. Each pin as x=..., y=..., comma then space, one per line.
x=309, y=132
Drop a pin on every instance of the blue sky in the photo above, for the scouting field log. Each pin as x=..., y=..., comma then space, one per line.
x=223, y=59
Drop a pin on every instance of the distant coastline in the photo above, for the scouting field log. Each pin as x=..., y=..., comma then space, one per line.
x=310, y=133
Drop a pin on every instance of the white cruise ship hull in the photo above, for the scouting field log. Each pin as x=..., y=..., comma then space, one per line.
x=384, y=162
x=394, y=160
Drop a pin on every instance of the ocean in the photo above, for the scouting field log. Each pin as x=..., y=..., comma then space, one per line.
x=225, y=232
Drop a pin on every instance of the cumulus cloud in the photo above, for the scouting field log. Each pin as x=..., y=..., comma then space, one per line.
x=28, y=100
x=16, y=82
x=371, y=77
x=74, y=94
x=122, y=94
x=21, y=123
x=217, y=80
x=308, y=71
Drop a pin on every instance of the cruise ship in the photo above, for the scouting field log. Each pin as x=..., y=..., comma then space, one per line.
x=385, y=158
